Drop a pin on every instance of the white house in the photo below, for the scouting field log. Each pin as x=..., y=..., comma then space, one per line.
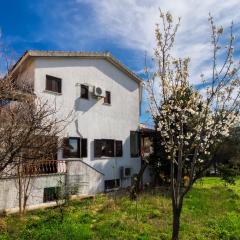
x=104, y=97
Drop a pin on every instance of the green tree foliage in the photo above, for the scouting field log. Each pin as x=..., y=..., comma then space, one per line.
x=227, y=157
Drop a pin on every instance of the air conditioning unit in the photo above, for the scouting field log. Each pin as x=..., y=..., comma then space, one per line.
x=98, y=92
x=125, y=172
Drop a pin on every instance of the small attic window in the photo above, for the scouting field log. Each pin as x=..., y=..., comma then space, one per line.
x=53, y=84
x=107, y=98
x=84, y=91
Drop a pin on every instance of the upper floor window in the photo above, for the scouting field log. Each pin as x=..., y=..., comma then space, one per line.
x=84, y=91
x=107, y=98
x=53, y=84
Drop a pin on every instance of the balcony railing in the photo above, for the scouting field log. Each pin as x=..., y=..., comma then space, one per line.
x=44, y=167
x=35, y=168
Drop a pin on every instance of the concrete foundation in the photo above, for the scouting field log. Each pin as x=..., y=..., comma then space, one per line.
x=79, y=180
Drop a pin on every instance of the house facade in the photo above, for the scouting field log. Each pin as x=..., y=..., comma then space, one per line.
x=103, y=99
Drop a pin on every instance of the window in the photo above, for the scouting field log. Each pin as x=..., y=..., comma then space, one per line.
x=107, y=148
x=111, y=184
x=53, y=84
x=51, y=194
x=134, y=144
x=104, y=147
x=74, y=147
x=84, y=91
x=107, y=98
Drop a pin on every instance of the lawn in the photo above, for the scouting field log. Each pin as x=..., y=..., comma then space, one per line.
x=211, y=211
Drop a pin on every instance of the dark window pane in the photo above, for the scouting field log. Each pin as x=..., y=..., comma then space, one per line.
x=74, y=147
x=71, y=148
x=51, y=194
x=111, y=184
x=119, y=152
x=127, y=171
x=84, y=91
x=83, y=147
x=107, y=148
x=104, y=148
x=48, y=83
x=53, y=84
x=107, y=98
x=134, y=144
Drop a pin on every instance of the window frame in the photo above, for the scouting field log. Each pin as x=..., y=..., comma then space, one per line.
x=86, y=87
x=51, y=194
x=49, y=84
x=111, y=184
x=98, y=151
x=82, y=151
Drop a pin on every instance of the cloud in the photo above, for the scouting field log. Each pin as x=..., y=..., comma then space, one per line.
x=130, y=24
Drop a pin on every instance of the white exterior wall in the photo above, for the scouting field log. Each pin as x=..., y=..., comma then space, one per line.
x=25, y=74
x=79, y=177
x=93, y=119
x=9, y=190
x=84, y=179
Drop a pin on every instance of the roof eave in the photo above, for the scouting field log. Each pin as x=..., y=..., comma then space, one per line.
x=105, y=55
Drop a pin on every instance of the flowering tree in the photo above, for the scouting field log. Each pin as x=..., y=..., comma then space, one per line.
x=190, y=121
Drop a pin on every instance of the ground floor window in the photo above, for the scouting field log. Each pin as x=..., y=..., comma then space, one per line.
x=51, y=194
x=111, y=184
x=107, y=148
x=74, y=147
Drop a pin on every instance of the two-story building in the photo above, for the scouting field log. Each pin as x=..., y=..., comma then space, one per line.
x=104, y=98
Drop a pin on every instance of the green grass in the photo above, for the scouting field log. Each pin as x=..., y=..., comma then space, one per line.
x=211, y=211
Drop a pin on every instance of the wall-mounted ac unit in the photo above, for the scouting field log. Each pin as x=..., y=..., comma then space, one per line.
x=125, y=172
x=98, y=92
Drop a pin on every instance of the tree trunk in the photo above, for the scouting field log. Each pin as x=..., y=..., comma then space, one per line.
x=135, y=188
x=19, y=190
x=176, y=223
